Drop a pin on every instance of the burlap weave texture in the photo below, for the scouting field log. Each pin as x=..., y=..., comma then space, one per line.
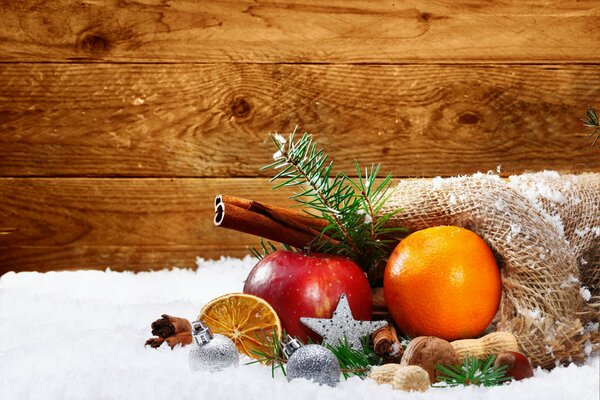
x=545, y=230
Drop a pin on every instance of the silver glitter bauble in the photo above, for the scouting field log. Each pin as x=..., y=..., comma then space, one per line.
x=314, y=362
x=211, y=352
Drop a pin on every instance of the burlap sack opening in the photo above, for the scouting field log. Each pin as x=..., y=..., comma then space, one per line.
x=545, y=228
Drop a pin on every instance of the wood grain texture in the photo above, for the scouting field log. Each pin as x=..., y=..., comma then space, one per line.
x=212, y=120
x=136, y=224
x=341, y=31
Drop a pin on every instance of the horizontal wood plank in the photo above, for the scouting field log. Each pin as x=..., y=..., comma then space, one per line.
x=122, y=224
x=341, y=31
x=147, y=120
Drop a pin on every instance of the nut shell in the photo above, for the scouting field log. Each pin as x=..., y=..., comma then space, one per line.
x=490, y=344
x=428, y=351
x=411, y=377
x=518, y=366
x=384, y=373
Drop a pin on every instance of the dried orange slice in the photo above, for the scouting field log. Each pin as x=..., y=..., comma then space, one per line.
x=246, y=319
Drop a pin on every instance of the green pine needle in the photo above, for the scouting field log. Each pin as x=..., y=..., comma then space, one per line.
x=355, y=362
x=273, y=355
x=473, y=372
x=591, y=121
x=266, y=248
x=351, y=206
x=352, y=362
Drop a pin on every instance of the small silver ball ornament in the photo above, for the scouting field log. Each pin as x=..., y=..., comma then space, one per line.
x=211, y=352
x=313, y=362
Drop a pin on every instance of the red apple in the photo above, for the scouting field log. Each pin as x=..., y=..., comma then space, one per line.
x=298, y=285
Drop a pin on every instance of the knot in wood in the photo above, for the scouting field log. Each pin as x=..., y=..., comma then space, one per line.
x=240, y=108
x=94, y=43
x=468, y=118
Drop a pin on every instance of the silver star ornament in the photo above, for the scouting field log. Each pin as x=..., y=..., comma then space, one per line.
x=342, y=325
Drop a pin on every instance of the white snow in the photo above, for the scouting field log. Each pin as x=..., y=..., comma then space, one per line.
x=570, y=281
x=585, y=293
x=80, y=335
x=280, y=138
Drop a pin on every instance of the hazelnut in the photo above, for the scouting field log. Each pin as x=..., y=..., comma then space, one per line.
x=427, y=352
x=519, y=366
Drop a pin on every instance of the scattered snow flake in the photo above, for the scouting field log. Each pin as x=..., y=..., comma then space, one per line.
x=592, y=326
x=138, y=101
x=587, y=348
x=595, y=230
x=581, y=232
x=277, y=155
x=499, y=205
x=534, y=314
x=368, y=219
x=280, y=138
x=585, y=293
x=570, y=281
x=396, y=348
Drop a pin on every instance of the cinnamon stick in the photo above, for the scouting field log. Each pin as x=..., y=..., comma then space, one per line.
x=386, y=343
x=284, y=215
x=173, y=330
x=270, y=222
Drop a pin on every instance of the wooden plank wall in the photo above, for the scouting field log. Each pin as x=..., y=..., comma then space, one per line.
x=120, y=121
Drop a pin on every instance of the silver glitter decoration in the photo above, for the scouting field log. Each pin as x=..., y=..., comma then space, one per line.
x=343, y=325
x=211, y=352
x=315, y=363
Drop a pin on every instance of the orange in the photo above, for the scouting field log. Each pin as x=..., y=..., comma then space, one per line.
x=444, y=282
x=246, y=319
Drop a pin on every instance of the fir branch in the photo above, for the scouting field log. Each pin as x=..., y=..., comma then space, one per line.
x=355, y=362
x=266, y=248
x=352, y=361
x=350, y=206
x=273, y=356
x=304, y=164
x=473, y=372
x=591, y=121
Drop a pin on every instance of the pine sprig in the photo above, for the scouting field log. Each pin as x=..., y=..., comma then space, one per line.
x=273, y=355
x=591, y=121
x=473, y=372
x=352, y=361
x=355, y=362
x=351, y=207
x=303, y=164
x=266, y=247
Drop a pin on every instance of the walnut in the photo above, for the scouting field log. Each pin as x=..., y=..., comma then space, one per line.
x=427, y=352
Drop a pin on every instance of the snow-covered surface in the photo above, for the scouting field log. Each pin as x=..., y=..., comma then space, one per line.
x=80, y=335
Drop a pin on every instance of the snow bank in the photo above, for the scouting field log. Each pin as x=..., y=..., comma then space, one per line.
x=80, y=335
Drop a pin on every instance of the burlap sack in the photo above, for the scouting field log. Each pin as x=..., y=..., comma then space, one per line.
x=545, y=231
